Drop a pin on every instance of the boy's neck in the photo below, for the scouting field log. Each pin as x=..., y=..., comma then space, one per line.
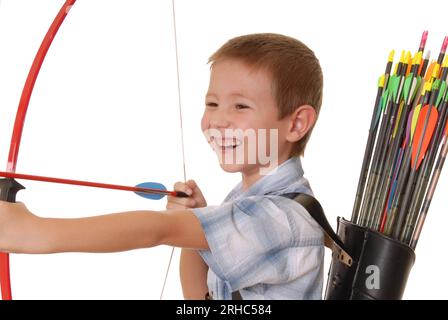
x=250, y=177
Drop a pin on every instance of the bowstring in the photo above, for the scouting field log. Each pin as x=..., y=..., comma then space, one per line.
x=181, y=131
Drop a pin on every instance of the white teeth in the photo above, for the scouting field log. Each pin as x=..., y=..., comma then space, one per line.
x=227, y=143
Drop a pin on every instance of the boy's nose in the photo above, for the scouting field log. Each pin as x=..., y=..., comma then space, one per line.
x=220, y=120
x=219, y=123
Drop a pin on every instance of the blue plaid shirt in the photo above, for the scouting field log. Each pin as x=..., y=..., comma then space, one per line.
x=263, y=244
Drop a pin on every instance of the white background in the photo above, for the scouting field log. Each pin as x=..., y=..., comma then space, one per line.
x=105, y=109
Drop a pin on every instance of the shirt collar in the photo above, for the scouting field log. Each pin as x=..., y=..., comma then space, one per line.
x=286, y=178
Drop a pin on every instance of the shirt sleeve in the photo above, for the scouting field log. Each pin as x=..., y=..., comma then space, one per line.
x=250, y=239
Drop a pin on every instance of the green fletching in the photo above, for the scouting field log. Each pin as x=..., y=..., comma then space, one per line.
x=394, y=82
x=419, y=81
x=389, y=82
x=384, y=99
x=407, y=86
x=446, y=96
x=435, y=85
x=442, y=90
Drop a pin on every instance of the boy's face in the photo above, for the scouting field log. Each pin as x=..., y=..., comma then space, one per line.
x=239, y=105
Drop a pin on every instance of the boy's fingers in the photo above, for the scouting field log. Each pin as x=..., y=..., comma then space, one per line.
x=176, y=200
x=193, y=185
x=183, y=187
x=195, y=199
x=180, y=203
x=180, y=200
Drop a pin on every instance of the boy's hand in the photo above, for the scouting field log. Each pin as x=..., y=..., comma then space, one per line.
x=17, y=228
x=195, y=199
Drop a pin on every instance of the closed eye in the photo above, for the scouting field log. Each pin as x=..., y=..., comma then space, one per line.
x=241, y=106
x=211, y=104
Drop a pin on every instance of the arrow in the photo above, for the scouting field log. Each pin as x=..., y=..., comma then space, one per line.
x=388, y=116
x=148, y=190
x=422, y=45
x=443, y=50
x=423, y=67
x=396, y=89
x=382, y=83
x=428, y=163
x=399, y=157
x=405, y=167
x=431, y=189
x=409, y=90
x=425, y=127
x=11, y=186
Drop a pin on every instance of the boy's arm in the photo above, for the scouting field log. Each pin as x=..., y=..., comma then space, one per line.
x=193, y=275
x=21, y=231
x=193, y=269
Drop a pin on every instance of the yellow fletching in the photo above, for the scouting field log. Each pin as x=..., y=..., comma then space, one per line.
x=445, y=62
x=408, y=58
x=427, y=86
x=395, y=68
x=403, y=53
x=408, y=62
x=414, y=59
x=435, y=71
x=415, y=119
x=381, y=81
x=400, y=110
x=391, y=56
x=418, y=58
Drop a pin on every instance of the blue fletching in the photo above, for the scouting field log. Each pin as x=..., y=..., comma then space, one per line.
x=151, y=185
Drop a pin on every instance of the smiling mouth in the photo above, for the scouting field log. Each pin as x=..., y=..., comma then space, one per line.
x=225, y=144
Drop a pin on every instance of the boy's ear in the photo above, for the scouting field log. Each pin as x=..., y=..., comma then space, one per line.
x=301, y=121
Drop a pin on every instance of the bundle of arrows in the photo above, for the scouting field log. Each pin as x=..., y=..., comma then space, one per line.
x=406, y=146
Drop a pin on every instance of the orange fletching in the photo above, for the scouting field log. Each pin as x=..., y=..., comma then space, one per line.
x=429, y=71
x=423, y=134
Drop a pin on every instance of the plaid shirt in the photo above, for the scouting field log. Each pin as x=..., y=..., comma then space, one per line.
x=263, y=244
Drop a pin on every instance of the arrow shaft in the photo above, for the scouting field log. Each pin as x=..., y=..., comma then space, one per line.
x=391, y=164
x=367, y=158
x=430, y=193
x=403, y=175
x=383, y=151
x=424, y=175
x=87, y=183
x=375, y=166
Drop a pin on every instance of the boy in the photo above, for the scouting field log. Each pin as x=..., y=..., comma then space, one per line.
x=257, y=243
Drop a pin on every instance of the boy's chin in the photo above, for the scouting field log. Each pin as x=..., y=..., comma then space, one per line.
x=231, y=168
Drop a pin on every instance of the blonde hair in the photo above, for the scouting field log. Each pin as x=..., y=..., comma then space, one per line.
x=295, y=71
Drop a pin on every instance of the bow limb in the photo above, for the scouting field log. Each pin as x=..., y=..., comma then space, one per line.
x=16, y=138
x=181, y=130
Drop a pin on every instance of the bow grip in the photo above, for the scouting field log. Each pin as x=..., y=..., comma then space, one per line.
x=8, y=189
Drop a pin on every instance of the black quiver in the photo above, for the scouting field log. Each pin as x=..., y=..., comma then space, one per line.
x=379, y=267
x=366, y=265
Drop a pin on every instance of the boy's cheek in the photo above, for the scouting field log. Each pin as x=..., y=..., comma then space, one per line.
x=204, y=122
